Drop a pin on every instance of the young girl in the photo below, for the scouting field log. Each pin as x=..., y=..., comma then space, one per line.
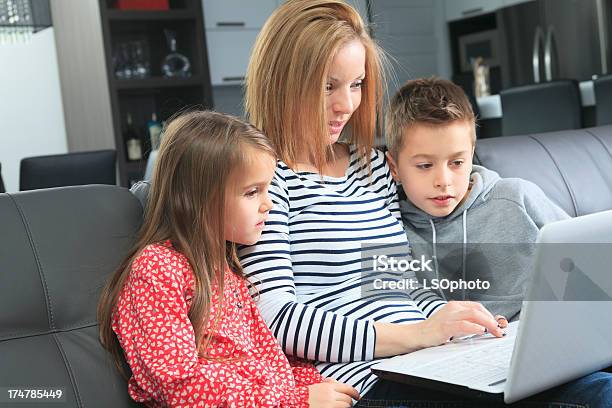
x=178, y=305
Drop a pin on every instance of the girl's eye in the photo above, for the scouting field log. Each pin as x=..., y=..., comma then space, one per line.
x=251, y=193
x=424, y=166
x=328, y=87
x=358, y=84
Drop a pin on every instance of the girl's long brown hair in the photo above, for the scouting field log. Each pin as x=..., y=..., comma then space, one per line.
x=288, y=71
x=185, y=205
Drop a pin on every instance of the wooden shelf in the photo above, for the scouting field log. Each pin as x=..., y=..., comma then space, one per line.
x=137, y=165
x=156, y=82
x=146, y=15
x=140, y=98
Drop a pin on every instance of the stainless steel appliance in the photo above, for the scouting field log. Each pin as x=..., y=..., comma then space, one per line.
x=544, y=40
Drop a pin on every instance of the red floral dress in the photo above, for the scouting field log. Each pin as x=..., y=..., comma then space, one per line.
x=246, y=368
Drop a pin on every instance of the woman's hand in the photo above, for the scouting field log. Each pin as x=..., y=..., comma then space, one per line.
x=455, y=319
x=331, y=393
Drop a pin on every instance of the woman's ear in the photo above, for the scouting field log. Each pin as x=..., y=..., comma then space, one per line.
x=393, y=167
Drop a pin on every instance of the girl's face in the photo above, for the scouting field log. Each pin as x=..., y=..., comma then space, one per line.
x=343, y=88
x=246, y=198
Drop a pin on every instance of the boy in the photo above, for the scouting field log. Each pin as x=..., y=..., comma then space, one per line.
x=476, y=226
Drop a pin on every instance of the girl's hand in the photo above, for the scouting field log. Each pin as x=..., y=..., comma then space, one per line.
x=331, y=393
x=457, y=319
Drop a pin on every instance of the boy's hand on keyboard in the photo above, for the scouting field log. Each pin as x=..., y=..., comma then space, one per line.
x=502, y=322
x=458, y=319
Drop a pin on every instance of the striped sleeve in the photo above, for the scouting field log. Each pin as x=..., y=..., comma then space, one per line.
x=302, y=330
x=427, y=301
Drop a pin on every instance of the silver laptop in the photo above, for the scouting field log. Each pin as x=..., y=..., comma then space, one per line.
x=564, y=331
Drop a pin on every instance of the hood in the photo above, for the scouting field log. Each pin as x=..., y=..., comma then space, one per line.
x=482, y=181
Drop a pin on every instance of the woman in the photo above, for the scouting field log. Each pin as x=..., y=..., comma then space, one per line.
x=316, y=74
x=314, y=87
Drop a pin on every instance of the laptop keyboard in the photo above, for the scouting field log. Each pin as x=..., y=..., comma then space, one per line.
x=486, y=365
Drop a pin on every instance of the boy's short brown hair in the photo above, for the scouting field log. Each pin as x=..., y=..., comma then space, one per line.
x=433, y=101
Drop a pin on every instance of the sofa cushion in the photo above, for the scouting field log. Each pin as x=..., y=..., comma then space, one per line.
x=573, y=167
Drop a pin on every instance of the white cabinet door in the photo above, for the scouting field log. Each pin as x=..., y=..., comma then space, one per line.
x=506, y=3
x=456, y=9
x=228, y=54
x=237, y=13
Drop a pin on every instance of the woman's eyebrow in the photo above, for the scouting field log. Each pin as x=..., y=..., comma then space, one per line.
x=334, y=79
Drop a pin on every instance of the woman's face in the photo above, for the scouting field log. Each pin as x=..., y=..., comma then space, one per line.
x=343, y=88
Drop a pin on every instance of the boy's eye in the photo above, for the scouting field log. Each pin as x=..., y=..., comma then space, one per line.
x=423, y=166
x=457, y=163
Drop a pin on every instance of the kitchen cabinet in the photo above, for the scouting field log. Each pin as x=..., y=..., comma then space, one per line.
x=457, y=9
x=506, y=3
x=231, y=29
x=233, y=14
x=229, y=53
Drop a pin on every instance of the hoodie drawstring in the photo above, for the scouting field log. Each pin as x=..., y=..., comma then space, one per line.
x=464, y=257
x=435, y=255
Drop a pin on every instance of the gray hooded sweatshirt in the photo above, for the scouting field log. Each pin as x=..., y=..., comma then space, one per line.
x=490, y=236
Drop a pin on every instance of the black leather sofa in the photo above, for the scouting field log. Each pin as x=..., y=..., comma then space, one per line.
x=58, y=246
x=70, y=169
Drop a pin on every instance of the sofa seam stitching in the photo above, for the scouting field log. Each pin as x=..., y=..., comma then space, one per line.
x=38, y=263
x=30, y=334
x=69, y=369
x=563, y=177
x=600, y=141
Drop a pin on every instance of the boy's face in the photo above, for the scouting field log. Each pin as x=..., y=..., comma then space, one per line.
x=434, y=165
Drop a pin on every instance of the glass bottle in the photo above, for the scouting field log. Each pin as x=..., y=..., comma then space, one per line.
x=134, y=146
x=155, y=130
x=175, y=65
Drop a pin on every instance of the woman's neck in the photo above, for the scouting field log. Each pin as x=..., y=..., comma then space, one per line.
x=335, y=166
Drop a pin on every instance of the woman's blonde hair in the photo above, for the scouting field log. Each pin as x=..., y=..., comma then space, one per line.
x=287, y=75
x=199, y=155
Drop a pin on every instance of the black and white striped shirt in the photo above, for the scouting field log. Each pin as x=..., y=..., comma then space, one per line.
x=308, y=267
